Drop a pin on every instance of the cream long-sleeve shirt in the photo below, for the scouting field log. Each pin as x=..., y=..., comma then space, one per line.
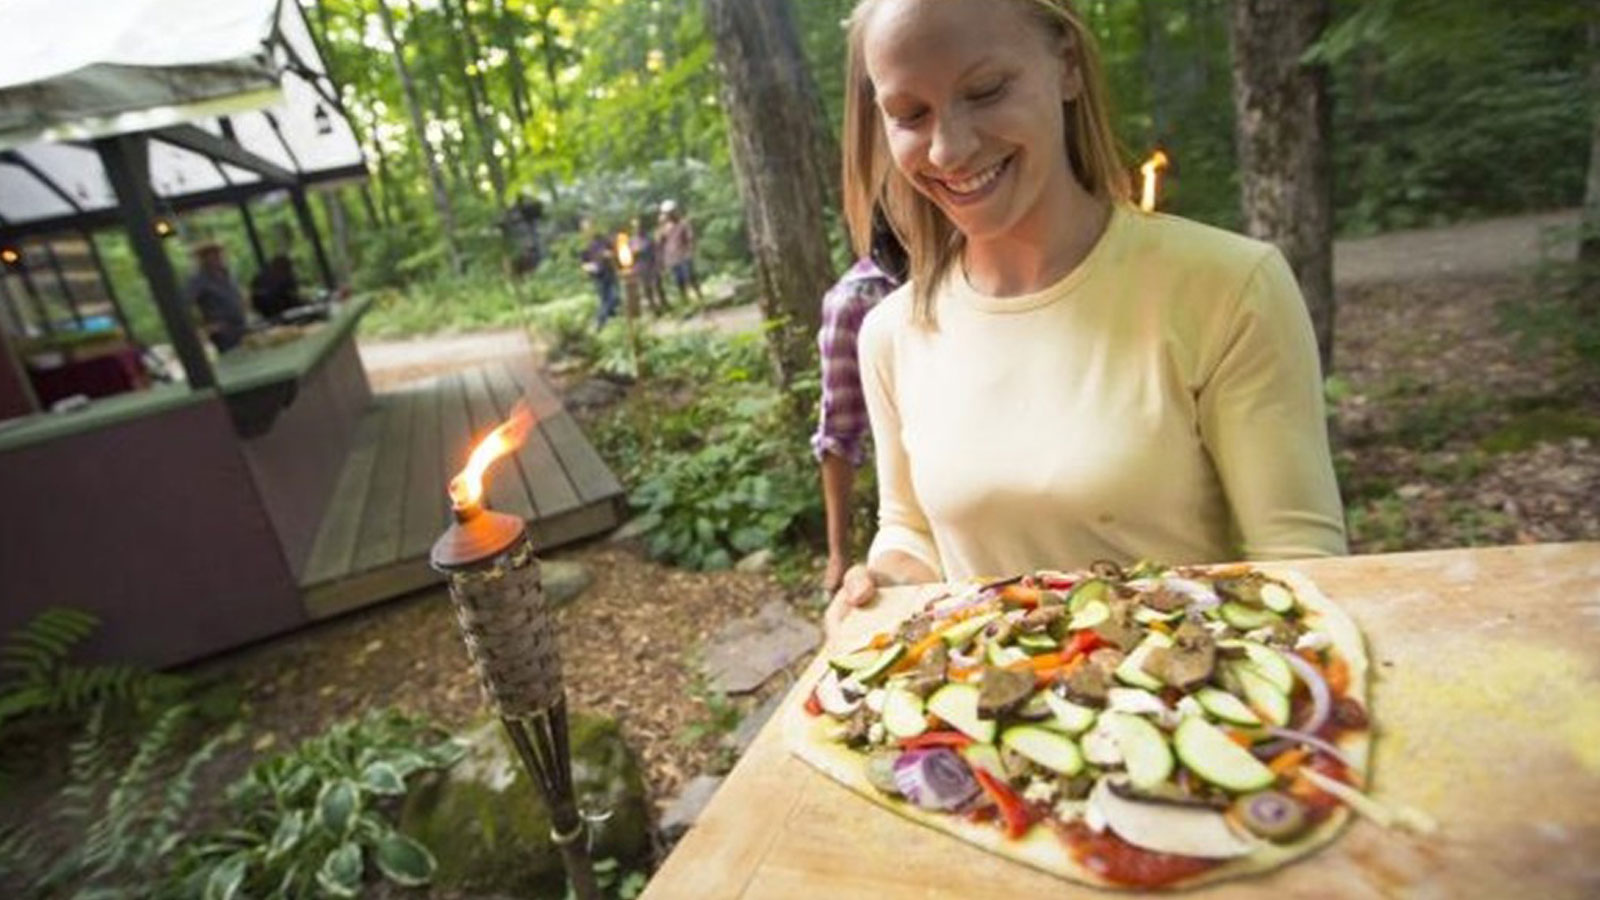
x=1162, y=401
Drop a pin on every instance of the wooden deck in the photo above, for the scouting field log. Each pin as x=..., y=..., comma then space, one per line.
x=390, y=502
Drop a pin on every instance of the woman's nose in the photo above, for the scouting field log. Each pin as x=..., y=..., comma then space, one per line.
x=953, y=142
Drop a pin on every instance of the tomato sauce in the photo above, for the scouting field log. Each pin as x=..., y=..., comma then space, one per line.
x=1116, y=860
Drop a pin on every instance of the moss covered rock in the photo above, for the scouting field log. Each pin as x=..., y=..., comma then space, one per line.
x=490, y=830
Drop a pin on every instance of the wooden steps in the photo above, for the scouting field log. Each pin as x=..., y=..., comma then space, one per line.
x=390, y=505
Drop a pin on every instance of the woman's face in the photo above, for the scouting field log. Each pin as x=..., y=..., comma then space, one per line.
x=971, y=96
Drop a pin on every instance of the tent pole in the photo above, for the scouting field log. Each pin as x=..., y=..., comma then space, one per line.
x=61, y=282
x=34, y=300
x=127, y=162
x=308, y=227
x=254, y=236
x=105, y=282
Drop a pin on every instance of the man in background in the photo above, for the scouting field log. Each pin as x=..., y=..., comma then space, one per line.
x=213, y=292
x=676, y=237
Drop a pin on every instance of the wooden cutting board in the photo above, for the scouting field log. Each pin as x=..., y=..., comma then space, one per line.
x=1487, y=699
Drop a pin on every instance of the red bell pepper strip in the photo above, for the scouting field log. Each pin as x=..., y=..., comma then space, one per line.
x=1082, y=643
x=1012, y=809
x=954, y=739
x=813, y=705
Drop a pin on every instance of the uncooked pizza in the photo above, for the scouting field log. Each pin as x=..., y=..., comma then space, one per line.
x=1155, y=728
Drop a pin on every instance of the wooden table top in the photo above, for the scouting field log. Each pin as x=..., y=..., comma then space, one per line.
x=1486, y=695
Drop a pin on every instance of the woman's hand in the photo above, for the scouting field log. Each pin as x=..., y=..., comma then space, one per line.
x=857, y=588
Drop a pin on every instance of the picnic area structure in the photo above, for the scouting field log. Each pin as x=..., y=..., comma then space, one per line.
x=269, y=486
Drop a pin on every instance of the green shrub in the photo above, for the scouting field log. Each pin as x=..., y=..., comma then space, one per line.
x=309, y=821
x=716, y=453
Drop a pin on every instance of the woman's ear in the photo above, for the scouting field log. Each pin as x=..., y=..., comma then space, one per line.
x=1071, y=69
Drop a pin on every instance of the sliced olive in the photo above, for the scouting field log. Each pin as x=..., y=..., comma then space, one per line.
x=1272, y=815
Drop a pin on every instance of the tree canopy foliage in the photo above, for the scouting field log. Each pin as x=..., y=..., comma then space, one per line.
x=1444, y=109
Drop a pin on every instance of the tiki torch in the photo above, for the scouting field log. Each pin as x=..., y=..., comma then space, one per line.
x=630, y=294
x=1150, y=179
x=511, y=636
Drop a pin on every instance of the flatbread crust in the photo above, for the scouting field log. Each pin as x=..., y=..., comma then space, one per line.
x=808, y=738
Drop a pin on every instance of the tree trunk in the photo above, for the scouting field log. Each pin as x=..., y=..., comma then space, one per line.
x=441, y=196
x=516, y=73
x=1589, y=246
x=1283, y=131
x=547, y=37
x=478, y=101
x=773, y=130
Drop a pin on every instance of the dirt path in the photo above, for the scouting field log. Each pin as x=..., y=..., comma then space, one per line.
x=1489, y=247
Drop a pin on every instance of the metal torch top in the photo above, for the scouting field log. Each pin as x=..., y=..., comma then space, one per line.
x=477, y=536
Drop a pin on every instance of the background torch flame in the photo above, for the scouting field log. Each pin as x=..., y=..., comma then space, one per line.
x=624, y=250
x=1150, y=170
x=466, y=489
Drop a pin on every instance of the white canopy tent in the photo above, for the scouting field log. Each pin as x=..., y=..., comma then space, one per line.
x=119, y=111
x=195, y=74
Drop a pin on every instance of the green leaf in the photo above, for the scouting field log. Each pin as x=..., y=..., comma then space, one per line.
x=226, y=878
x=287, y=834
x=338, y=804
x=404, y=861
x=340, y=874
x=748, y=539
x=383, y=778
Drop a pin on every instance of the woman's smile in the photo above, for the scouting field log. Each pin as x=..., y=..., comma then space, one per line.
x=967, y=189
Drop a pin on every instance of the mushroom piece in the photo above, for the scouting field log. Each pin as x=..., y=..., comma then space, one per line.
x=1002, y=691
x=1106, y=659
x=1189, y=662
x=914, y=629
x=1165, y=599
x=1088, y=685
x=1042, y=618
x=1168, y=827
x=1120, y=627
x=929, y=674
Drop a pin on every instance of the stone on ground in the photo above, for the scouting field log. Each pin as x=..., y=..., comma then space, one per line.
x=563, y=580
x=740, y=739
x=490, y=831
x=745, y=653
x=686, y=809
x=758, y=561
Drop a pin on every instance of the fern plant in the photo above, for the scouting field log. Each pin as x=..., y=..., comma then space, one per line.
x=127, y=816
x=36, y=676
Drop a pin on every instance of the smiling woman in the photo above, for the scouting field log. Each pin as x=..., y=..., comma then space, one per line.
x=1065, y=378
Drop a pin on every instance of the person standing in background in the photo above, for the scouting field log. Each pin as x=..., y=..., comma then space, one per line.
x=838, y=443
x=677, y=249
x=213, y=292
x=599, y=263
x=647, y=267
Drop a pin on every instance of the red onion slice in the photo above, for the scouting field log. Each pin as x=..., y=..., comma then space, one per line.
x=1321, y=696
x=934, y=778
x=1311, y=740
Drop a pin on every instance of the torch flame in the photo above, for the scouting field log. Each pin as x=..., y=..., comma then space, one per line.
x=466, y=489
x=624, y=250
x=1151, y=172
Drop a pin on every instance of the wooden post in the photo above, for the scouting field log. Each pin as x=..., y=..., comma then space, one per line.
x=126, y=158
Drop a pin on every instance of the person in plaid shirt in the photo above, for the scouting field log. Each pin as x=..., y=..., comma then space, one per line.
x=838, y=443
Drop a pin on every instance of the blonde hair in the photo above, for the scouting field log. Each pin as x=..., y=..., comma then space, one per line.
x=931, y=241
